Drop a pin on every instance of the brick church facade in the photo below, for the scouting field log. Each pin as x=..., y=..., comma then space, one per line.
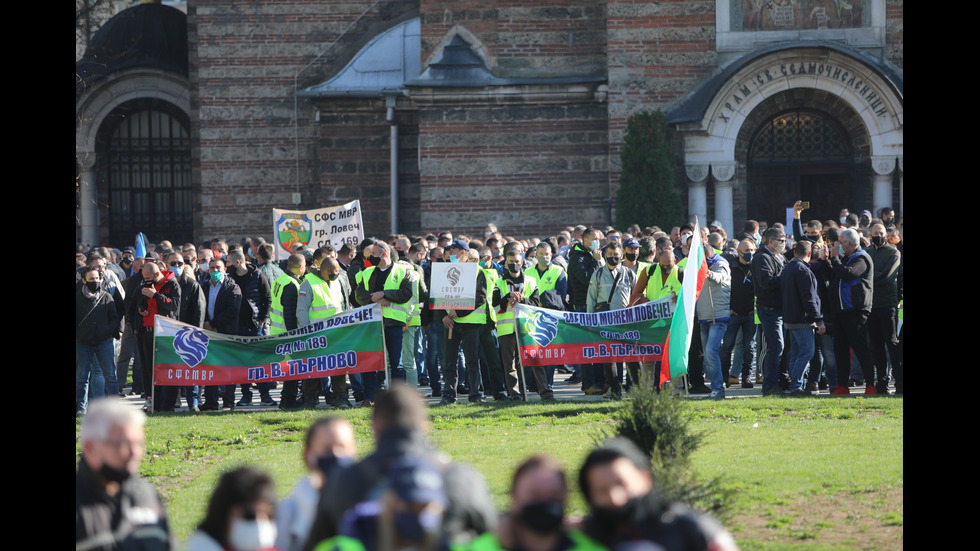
x=441, y=114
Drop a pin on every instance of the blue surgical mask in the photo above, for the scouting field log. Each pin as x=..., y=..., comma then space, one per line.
x=594, y=245
x=177, y=270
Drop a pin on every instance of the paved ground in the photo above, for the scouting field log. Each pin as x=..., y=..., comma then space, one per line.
x=563, y=392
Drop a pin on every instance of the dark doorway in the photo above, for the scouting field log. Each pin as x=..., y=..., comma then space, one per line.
x=801, y=155
x=145, y=165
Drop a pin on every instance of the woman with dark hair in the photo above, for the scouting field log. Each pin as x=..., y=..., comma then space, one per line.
x=240, y=516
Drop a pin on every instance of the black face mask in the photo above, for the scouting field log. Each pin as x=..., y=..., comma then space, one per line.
x=374, y=260
x=92, y=286
x=878, y=240
x=126, y=261
x=543, y=517
x=329, y=462
x=631, y=257
x=514, y=268
x=113, y=474
x=616, y=516
x=613, y=260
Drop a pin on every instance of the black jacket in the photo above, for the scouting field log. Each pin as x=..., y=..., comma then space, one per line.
x=192, y=301
x=801, y=299
x=581, y=265
x=96, y=318
x=135, y=518
x=470, y=506
x=256, y=298
x=227, y=303
x=743, y=288
x=852, y=289
x=766, y=267
x=671, y=526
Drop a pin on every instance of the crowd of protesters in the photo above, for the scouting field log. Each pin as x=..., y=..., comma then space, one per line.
x=780, y=307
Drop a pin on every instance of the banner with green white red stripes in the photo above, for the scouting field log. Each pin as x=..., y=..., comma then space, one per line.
x=551, y=337
x=349, y=342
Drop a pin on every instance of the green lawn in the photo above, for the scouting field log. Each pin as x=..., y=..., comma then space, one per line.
x=817, y=473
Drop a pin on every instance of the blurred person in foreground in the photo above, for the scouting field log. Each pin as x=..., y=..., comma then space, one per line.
x=329, y=444
x=240, y=515
x=114, y=508
x=538, y=493
x=400, y=426
x=625, y=507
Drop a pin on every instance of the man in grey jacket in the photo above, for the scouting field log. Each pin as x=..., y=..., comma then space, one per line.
x=714, y=311
x=609, y=289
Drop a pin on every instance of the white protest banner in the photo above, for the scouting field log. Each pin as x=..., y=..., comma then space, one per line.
x=333, y=226
x=453, y=286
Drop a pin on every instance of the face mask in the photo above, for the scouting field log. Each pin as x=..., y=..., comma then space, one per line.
x=333, y=277
x=126, y=261
x=328, y=462
x=840, y=250
x=92, y=286
x=843, y=220
x=217, y=276
x=878, y=240
x=613, y=260
x=758, y=239
x=483, y=264
x=514, y=267
x=594, y=245
x=454, y=258
x=415, y=527
x=543, y=517
x=631, y=257
x=615, y=516
x=544, y=261
x=374, y=260
x=747, y=257
x=177, y=270
x=779, y=247
x=250, y=535
x=113, y=474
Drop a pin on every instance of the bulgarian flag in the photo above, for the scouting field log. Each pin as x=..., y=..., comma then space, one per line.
x=682, y=325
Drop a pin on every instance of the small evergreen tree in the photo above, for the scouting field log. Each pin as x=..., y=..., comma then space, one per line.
x=659, y=424
x=646, y=193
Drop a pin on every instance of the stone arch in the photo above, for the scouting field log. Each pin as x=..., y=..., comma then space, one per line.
x=93, y=107
x=724, y=111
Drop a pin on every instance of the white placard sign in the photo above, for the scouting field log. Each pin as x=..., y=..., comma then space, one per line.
x=453, y=285
x=317, y=228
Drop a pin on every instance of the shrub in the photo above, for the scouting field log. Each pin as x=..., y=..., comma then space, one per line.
x=659, y=424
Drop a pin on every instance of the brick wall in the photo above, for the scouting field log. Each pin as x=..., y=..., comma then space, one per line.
x=530, y=169
x=247, y=60
x=354, y=153
x=658, y=51
x=540, y=38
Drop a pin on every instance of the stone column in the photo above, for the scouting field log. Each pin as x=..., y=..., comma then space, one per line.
x=884, y=168
x=88, y=214
x=901, y=187
x=697, y=193
x=724, y=207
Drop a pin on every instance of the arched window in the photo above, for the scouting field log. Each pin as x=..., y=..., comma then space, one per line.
x=801, y=154
x=800, y=136
x=146, y=163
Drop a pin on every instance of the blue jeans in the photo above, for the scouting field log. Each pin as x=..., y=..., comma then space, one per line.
x=103, y=376
x=741, y=365
x=712, y=334
x=408, y=356
x=772, y=338
x=801, y=350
